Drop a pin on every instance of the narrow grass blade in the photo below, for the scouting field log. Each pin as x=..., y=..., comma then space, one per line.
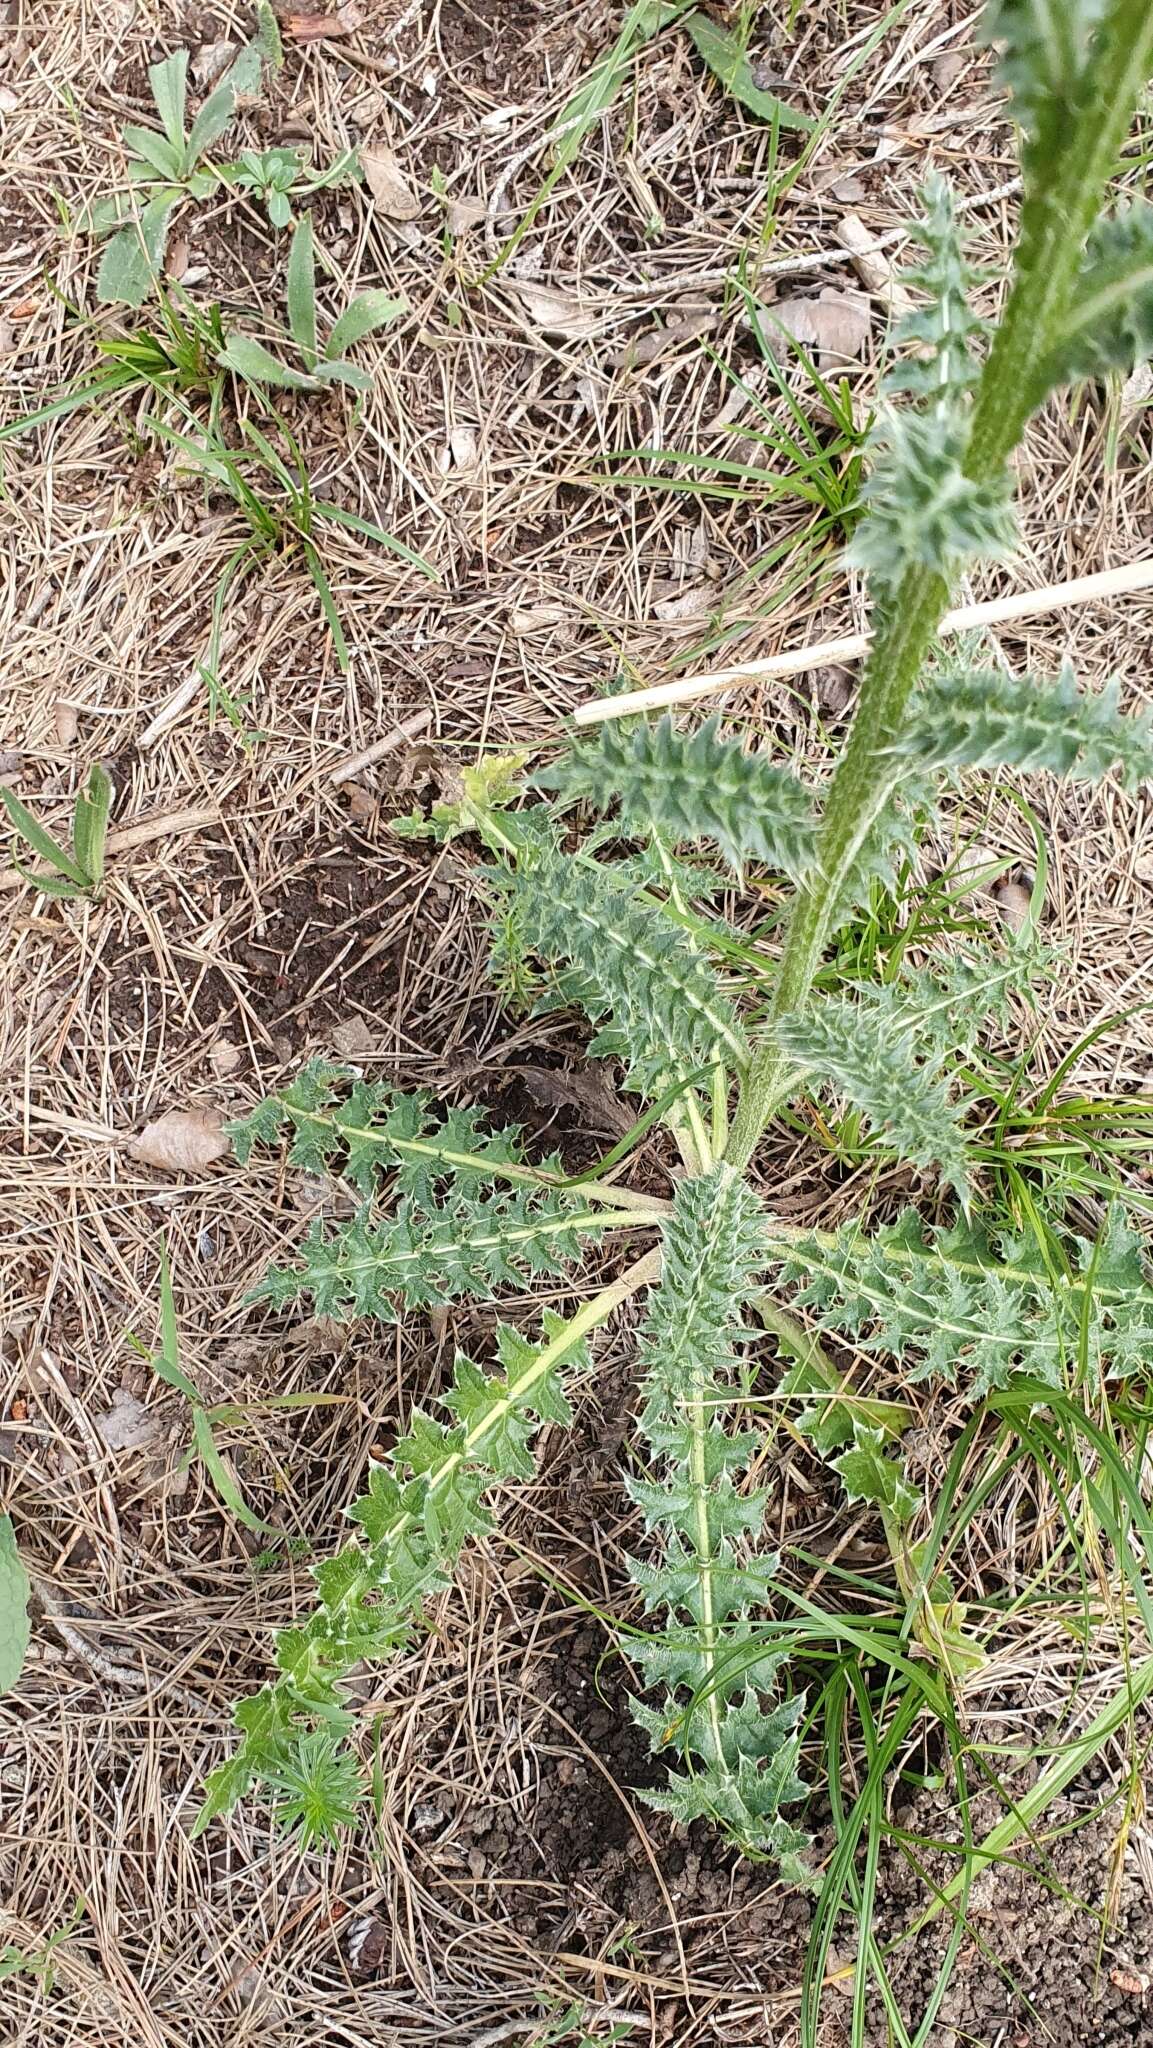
x=327, y=605
x=377, y=533
x=222, y=1478
x=644, y=20
x=40, y=839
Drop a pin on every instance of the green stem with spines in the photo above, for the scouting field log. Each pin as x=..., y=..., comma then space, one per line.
x=1055, y=223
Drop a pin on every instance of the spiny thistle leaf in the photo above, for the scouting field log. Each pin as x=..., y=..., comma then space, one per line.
x=1045, y=46
x=422, y=1506
x=1110, y=325
x=470, y=1245
x=868, y=1050
x=634, y=971
x=951, y=1303
x=870, y=1474
x=981, y=718
x=694, y=786
x=944, y=368
x=739, y=1761
x=924, y=512
x=362, y=1129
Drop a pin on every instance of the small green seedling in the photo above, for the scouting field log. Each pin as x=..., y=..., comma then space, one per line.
x=81, y=871
x=278, y=176
x=176, y=357
x=322, y=365
x=14, y=1591
x=281, y=512
x=164, y=164
x=206, y=1418
x=39, y=1962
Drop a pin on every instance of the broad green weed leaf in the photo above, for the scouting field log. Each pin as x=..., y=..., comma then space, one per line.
x=366, y=313
x=257, y=365
x=724, y=53
x=301, y=290
x=344, y=373
x=163, y=157
x=134, y=256
x=14, y=1591
x=169, y=82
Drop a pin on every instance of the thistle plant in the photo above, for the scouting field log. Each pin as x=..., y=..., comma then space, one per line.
x=450, y=1207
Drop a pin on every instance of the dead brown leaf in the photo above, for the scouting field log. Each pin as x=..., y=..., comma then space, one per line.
x=209, y=63
x=181, y=1141
x=660, y=341
x=315, y=28
x=129, y=1426
x=555, y=312
x=835, y=326
x=581, y=1088
x=66, y=720
x=386, y=181
x=224, y=1057
x=462, y=214
x=353, y=1037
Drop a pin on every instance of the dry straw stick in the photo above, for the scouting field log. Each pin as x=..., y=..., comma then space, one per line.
x=997, y=611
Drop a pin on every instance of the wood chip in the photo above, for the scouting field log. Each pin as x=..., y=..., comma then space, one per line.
x=872, y=264
x=386, y=181
x=66, y=720
x=181, y=1141
x=1013, y=902
x=316, y=28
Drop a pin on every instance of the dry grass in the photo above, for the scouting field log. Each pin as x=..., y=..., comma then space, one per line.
x=222, y=951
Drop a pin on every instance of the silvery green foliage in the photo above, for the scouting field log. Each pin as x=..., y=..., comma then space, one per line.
x=455, y=1225
x=635, y=972
x=1110, y=326
x=693, y=786
x=422, y=1505
x=869, y=1052
x=736, y=1761
x=924, y=510
x=891, y=1049
x=940, y=335
x=1044, y=51
x=983, y=718
x=951, y=1303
